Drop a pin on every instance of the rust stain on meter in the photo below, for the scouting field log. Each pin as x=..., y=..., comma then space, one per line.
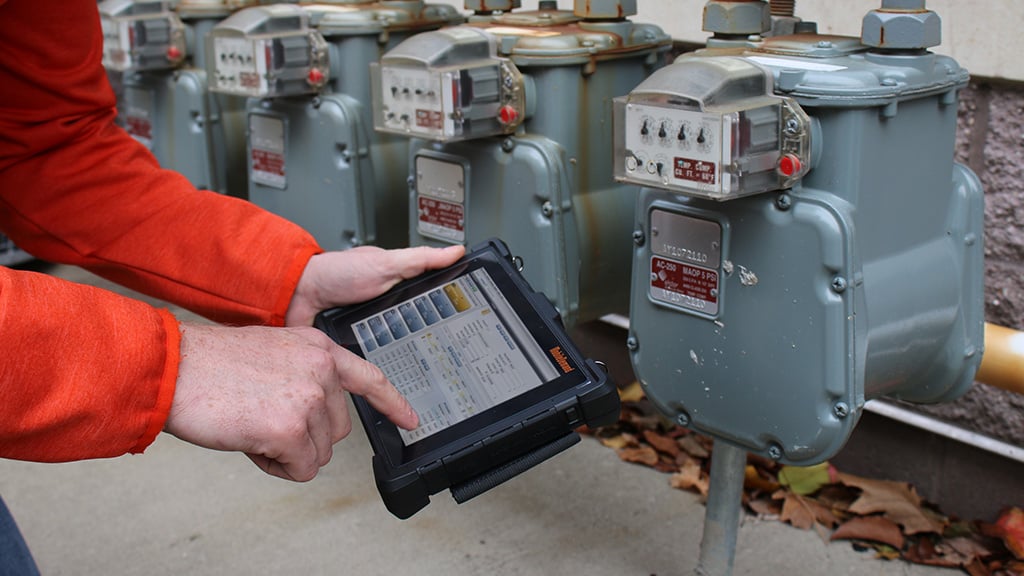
x=687, y=253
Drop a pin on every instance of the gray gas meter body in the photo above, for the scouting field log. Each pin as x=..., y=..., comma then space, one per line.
x=511, y=121
x=313, y=156
x=158, y=57
x=804, y=239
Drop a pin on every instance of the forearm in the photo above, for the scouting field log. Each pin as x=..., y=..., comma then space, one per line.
x=84, y=373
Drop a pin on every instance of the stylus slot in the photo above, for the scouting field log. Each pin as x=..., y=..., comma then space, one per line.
x=484, y=482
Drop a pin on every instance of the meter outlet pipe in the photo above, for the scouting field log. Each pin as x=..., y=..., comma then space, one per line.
x=155, y=57
x=510, y=121
x=1002, y=365
x=312, y=155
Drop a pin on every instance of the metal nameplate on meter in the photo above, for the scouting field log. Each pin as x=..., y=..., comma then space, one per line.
x=441, y=199
x=687, y=254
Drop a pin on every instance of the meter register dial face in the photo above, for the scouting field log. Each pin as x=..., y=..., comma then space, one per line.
x=241, y=65
x=676, y=147
x=419, y=101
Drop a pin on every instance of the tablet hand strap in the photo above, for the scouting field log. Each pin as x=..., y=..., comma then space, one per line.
x=484, y=482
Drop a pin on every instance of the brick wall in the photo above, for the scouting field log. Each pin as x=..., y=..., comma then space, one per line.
x=991, y=141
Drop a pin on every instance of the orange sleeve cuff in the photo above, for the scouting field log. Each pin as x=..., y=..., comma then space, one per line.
x=166, y=383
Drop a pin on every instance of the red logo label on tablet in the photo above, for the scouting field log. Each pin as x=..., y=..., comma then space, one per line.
x=560, y=359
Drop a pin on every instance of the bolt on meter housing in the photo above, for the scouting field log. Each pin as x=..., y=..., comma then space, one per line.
x=141, y=36
x=717, y=133
x=266, y=52
x=448, y=85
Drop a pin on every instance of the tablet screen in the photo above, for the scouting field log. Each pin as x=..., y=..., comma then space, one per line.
x=454, y=352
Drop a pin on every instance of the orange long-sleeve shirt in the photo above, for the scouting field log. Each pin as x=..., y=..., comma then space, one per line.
x=85, y=373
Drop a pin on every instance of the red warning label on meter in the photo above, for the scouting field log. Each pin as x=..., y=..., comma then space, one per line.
x=429, y=119
x=268, y=167
x=140, y=128
x=440, y=219
x=684, y=285
x=694, y=170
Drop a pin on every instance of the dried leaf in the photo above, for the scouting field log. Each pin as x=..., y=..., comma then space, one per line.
x=978, y=568
x=1011, y=528
x=1015, y=568
x=690, y=477
x=805, y=480
x=873, y=528
x=621, y=441
x=796, y=512
x=666, y=464
x=631, y=393
x=640, y=455
x=662, y=443
x=898, y=501
x=752, y=480
x=968, y=547
x=886, y=552
x=765, y=507
x=692, y=446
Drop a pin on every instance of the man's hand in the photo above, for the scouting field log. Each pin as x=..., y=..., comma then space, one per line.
x=341, y=278
x=276, y=394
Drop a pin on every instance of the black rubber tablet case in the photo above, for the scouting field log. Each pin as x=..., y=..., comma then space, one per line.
x=545, y=430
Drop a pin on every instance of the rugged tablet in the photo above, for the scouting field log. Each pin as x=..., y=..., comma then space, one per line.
x=488, y=367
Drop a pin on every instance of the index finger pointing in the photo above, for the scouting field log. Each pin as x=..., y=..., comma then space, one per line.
x=364, y=379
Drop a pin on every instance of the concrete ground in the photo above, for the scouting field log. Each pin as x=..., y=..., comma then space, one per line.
x=179, y=509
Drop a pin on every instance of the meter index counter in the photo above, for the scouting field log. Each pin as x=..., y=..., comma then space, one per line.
x=821, y=249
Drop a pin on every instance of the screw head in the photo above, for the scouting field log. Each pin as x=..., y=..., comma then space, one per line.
x=839, y=284
x=632, y=343
x=547, y=209
x=841, y=409
x=683, y=419
x=783, y=202
x=775, y=452
x=638, y=237
x=508, y=144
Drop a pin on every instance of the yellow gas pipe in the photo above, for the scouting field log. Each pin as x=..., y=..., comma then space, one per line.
x=1002, y=365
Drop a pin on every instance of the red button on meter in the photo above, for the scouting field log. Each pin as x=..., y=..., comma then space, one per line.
x=507, y=114
x=316, y=77
x=173, y=53
x=789, y=164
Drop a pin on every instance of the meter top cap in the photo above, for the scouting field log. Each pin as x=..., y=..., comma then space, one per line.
x=189, y=9
x=465, y=82
x=141, y=35
x=748, y=105
x=356, y=18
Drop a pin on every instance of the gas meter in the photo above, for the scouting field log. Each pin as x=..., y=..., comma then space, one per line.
x=450, y=85
x=488, y=159
x=163, y=100
x=313, y=157
x=804, y=240
x=267, y=51
x=141, y=35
